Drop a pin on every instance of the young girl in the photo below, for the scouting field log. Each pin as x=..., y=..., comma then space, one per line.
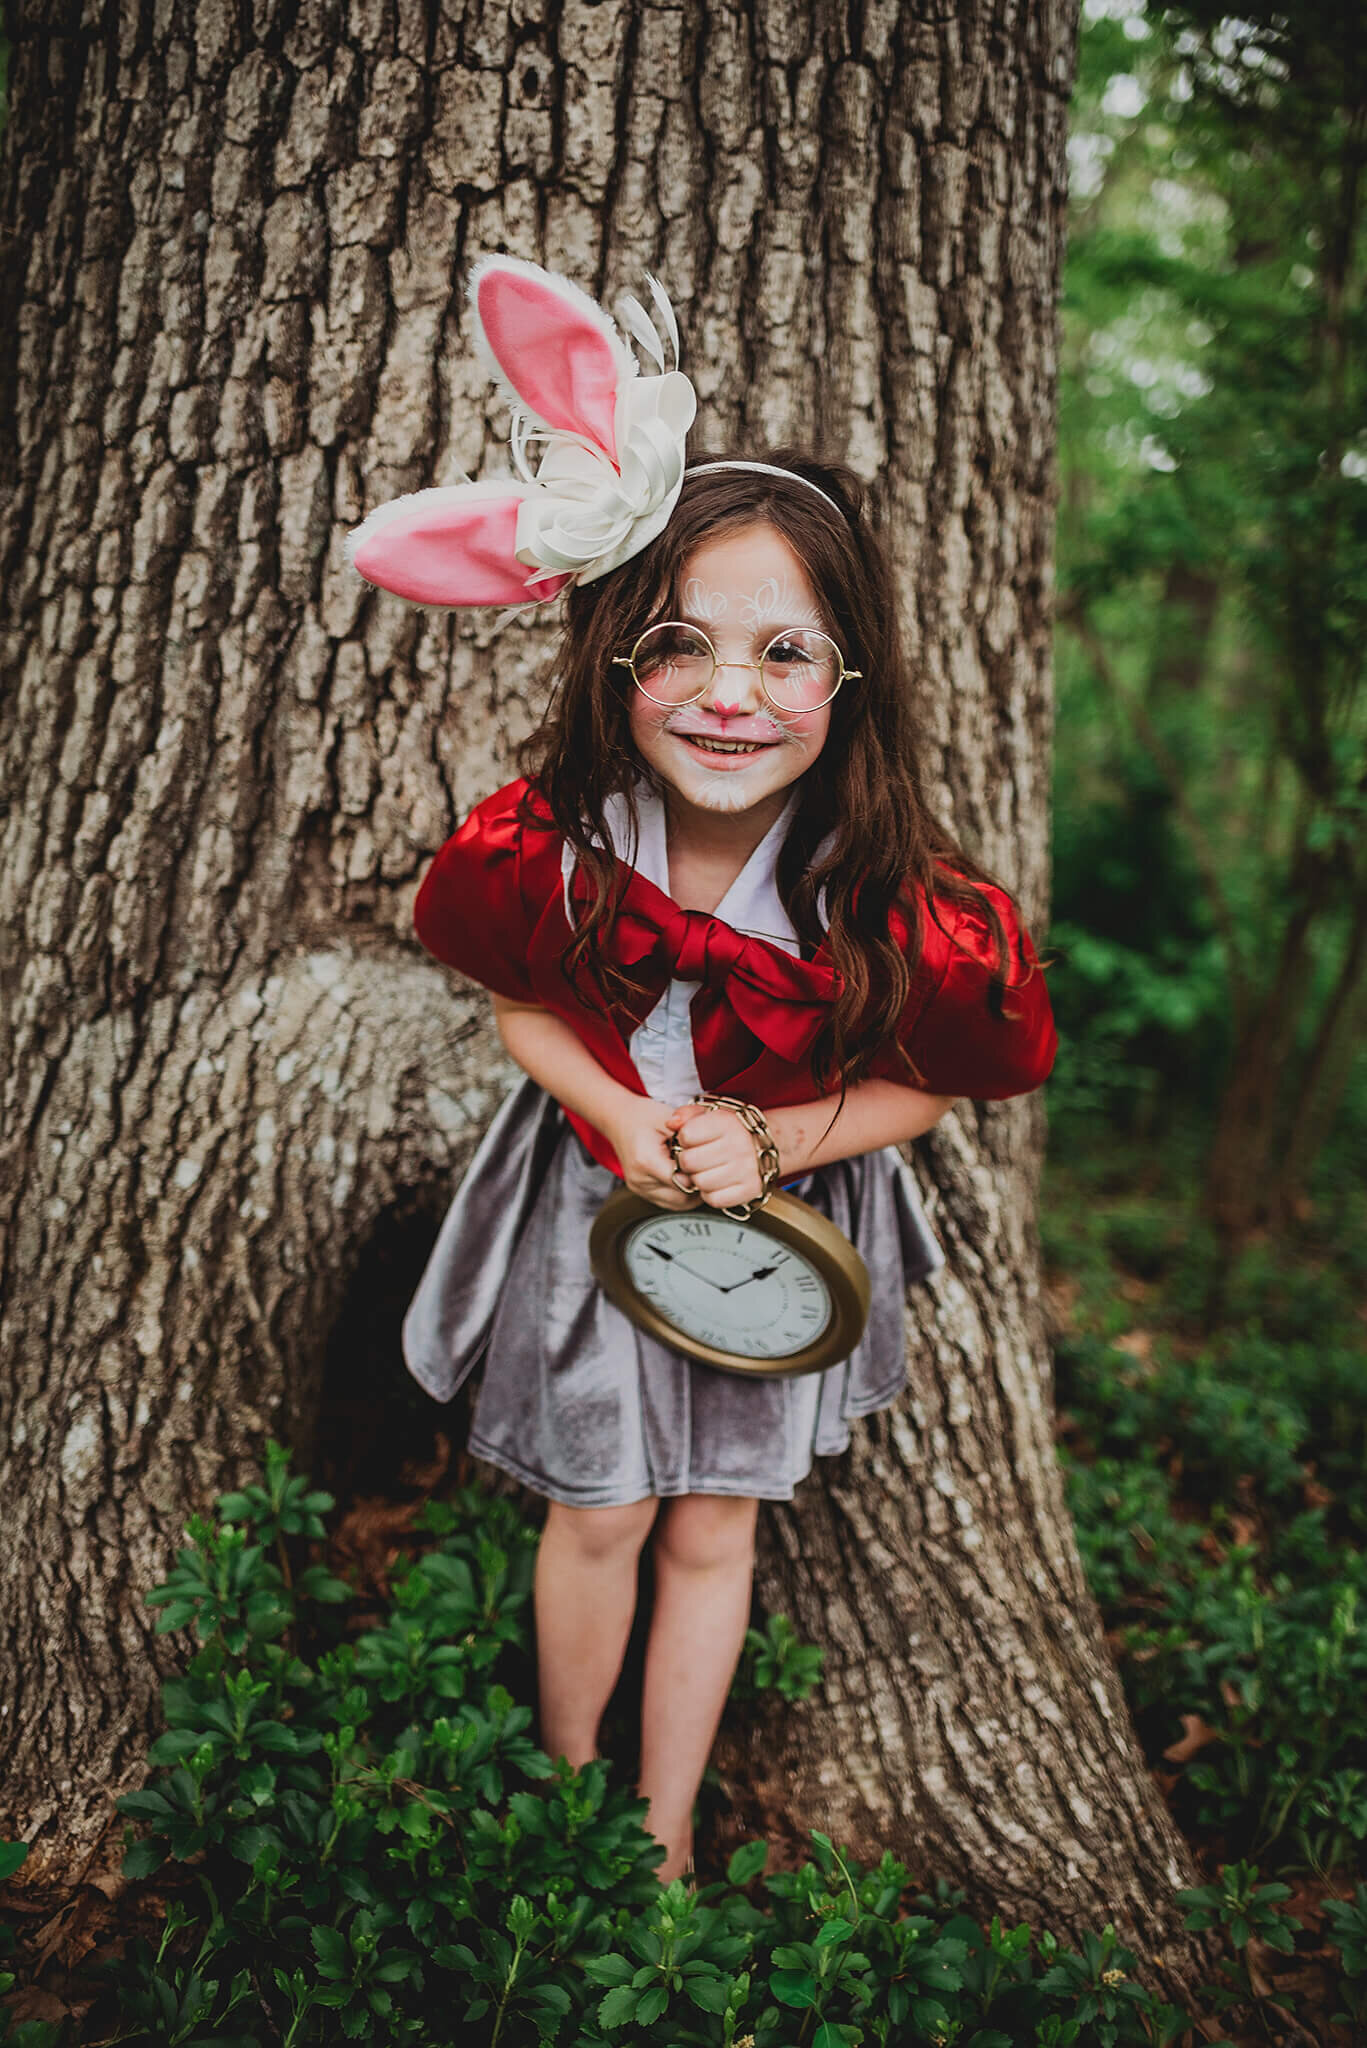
x=719, y=875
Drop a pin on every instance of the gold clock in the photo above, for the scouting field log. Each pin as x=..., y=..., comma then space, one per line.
x=780, y=1291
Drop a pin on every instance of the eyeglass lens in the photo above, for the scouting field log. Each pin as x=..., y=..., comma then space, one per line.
x=801, y=667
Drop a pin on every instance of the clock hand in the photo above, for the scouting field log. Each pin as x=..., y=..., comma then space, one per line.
x=760, y=1273
x=675, y=1260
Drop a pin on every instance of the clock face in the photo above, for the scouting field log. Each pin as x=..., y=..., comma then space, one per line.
x=727, y=1284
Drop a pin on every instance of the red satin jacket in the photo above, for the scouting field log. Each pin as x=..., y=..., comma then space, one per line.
x=492, y=904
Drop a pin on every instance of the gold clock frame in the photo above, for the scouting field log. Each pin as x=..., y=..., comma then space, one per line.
x=787, y=1219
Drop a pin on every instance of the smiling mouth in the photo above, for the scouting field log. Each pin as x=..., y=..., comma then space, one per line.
x=711, y=746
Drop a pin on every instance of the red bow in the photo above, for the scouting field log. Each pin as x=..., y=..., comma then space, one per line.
x=782, y=1000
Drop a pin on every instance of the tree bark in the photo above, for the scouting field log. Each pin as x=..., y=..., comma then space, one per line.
x=237, y=242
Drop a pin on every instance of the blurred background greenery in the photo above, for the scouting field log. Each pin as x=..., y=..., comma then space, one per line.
x=1210, y=857
x=1204, y=1212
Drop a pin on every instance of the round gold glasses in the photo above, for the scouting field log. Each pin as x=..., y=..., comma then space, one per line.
x=800, y=669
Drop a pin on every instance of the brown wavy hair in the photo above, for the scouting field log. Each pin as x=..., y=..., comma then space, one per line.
x=865, y=784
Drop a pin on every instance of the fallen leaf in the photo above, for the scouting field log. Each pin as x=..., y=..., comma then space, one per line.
x=31, y=2002
x=427, y=1478
x=369, y=1540
x=1198, y=1734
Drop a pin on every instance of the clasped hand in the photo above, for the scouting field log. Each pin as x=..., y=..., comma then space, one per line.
x=716, y=1155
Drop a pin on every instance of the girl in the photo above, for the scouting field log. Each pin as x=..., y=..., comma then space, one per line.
x=717, y=874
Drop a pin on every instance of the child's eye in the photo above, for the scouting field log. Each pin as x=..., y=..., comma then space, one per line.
x=666, y=643
x=789, y=651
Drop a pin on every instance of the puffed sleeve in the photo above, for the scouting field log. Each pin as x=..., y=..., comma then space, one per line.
x=469, y=911
x=957, y=1043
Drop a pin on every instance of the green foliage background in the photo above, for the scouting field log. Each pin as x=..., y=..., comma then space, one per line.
x=1211, y=754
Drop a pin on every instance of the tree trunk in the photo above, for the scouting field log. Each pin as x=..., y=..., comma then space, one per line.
x=1239, y=1193
x=238, y=241
x=1323, y=1079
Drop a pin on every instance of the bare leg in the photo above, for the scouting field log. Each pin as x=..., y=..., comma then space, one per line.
x=585, y=1597
x=704, y=1560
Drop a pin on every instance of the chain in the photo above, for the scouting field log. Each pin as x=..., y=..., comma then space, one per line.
x=766, y=1151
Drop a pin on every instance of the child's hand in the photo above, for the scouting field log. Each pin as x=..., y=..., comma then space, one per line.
x=717, y=1154
x=637, y=1134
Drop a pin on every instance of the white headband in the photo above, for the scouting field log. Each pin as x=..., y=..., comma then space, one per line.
x=766, y=469
x=612, y=461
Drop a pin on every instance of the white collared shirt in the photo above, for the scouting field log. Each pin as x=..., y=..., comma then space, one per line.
x=661, y=1047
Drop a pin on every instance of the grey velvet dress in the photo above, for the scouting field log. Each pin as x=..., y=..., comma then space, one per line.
x=576, y=1401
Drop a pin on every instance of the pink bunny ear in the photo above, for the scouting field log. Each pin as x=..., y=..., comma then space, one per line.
x=450, y=546
x=557, y=351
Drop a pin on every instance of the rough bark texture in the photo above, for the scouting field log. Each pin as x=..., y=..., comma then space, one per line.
x=236, y=243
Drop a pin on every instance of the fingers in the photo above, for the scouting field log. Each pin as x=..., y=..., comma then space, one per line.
x=652, y=1177
x=698, y=1155
x=662, y=1193
x=686, y=1112
x=728, y=1151
x=723, y=1186
x=715, y=1154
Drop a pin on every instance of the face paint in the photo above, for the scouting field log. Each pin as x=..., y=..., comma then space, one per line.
x=702, y=604
x=775, y=603
x=738, y=570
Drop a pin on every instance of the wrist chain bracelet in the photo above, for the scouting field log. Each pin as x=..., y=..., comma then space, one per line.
x=766, y=1151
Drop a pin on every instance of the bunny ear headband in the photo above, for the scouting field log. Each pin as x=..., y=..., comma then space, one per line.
x=610, y=474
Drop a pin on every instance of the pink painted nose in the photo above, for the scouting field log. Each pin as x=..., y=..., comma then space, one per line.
x=725, y=710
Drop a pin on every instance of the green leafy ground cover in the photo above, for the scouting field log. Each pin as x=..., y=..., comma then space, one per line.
x=1218, y=1481
x=348, y=1833
x=360, y=1842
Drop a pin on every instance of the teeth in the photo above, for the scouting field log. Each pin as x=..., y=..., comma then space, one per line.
x=725, y=746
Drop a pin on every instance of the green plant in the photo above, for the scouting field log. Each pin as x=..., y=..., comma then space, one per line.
x=1347, y=1920
x=1243, y=1909
x=776, y=1661
x=355, y=1833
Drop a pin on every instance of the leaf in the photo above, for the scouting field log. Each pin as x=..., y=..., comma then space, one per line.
x=142, y=1859
x=176, y=1745
x=794, y=1987
x=618, y=2006
x=608, y=1970
x=1198, y=1734
x=709, y=1994
x=747, y=1862
x=329, y=1945
x=650, y=2005
x=834, y=1930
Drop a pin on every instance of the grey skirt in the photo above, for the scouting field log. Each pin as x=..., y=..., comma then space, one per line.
x=576, y=1401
